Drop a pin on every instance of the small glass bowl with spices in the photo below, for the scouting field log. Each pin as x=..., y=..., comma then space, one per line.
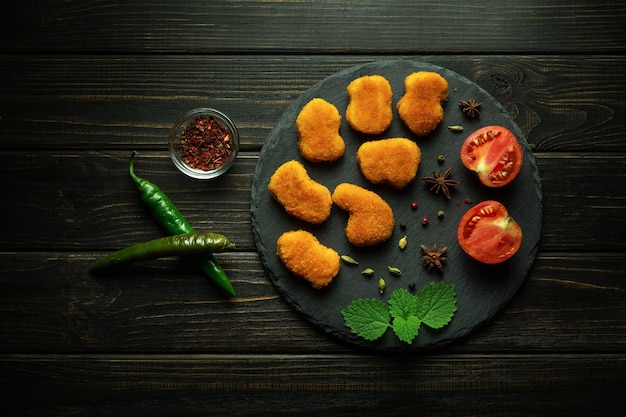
x=203, y=143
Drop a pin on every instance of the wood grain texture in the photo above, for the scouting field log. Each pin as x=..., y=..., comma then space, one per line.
x=88, y=201
x=83, y=83
x=571, y=302
x=561, y=103
x=329, y=26
x=318, y=385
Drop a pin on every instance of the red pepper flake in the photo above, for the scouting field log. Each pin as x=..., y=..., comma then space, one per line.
x=468, y=201
x=205, y=144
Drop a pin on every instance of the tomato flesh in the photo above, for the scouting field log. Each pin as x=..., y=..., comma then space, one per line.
x=488, y=234
x=494, y=154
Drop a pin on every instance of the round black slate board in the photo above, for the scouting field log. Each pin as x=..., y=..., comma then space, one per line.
x=482, y=290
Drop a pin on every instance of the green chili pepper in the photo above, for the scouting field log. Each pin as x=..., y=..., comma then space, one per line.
x=186, y=244
x=170, y=219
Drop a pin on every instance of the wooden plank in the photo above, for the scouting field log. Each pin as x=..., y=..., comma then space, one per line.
x=574, y=302
x=328, y=385
x=562, y=103
x=88, y=202
x=393, y=26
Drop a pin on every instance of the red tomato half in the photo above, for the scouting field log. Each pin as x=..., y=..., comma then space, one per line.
x=493, y=153
x=488, y=234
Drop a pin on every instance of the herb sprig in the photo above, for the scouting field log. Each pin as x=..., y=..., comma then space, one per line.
x=434, y=306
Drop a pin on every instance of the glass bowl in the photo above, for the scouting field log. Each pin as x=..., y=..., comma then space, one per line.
x=203, y=143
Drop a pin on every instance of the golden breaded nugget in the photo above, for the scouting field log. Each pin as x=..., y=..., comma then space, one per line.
x=306, y=257
x=301, y=196
x=369, y=109
x=317, y=125
x=391, y=161
x=370, y=219
x=420, y=107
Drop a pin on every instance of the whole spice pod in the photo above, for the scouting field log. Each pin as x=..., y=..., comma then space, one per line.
x=203, y=143
x=381, y=285
x=394, y=271
x=367, y=272
x=349, y=260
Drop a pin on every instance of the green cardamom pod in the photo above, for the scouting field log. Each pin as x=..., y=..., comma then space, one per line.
x=394, y=271
x=349, y=260
x=381, y=285
x=455, y=129
x=403, y=242
x=368, y=272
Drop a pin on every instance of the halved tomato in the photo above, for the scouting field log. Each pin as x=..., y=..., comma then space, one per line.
x=493, y=153
x=488, y=234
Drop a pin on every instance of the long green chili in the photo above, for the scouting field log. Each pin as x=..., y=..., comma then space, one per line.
x=174, y=223
x=186, y=244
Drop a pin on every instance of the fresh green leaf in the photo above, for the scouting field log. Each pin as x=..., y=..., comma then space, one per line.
x=403, y=309
x=436, y=304
x=406, y=329
x=369, y=318
x=402, y=304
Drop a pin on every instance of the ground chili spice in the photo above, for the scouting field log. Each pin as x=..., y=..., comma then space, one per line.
x=205, y=144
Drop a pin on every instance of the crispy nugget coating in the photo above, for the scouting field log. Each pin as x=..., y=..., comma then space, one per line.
x=420, y=106
x=392, y=161
x=317, y=125
x=300, y=196
x=369, y=109
x=306, y=257
x=370, y=219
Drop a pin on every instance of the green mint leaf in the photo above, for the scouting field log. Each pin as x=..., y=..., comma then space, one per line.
x=436, y=304
x=368, y=319
x=406, y=329
x=402, y=304
x=403, y=309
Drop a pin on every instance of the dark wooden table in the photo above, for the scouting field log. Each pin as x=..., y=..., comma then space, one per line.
x=83, y=83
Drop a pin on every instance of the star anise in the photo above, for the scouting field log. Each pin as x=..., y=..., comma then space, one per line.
x=433, y=258
x=441, y=182
x=470, y=107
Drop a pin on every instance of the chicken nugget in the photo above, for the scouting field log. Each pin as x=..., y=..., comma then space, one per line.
x=300, y=196
x=306, y=257
x=369, y=109
x=420, y=106
x=370, y=219
x=317, y=125
x=391, y=161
